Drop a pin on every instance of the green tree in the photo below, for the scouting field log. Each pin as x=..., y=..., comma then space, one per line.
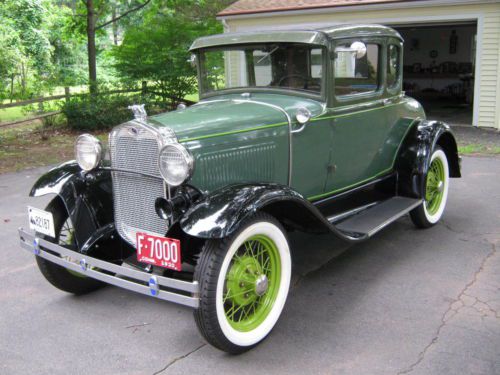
x=157, y=49
x=158, y=53
x=97, y=13
x=23, y=32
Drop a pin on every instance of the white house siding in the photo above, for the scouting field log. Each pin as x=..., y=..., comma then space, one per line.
x=487, y=16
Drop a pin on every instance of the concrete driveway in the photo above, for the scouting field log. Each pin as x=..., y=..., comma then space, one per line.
x=408, y=301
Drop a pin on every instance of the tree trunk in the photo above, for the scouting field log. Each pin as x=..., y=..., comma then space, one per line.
x=115, y=27
x=24, y=75
x=91, y=49
x=12, y=87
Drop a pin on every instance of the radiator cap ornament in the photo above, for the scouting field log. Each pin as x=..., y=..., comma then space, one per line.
x=139, y=111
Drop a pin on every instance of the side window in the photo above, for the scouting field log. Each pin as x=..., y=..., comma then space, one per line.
x=356, y=68
x=393, y=65
x=316, y=63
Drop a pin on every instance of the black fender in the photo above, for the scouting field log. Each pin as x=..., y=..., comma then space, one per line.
x=88, y=198
x=414, y=157
x=220, y=213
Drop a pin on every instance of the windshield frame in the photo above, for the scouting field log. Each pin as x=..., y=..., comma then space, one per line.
x=267, y=89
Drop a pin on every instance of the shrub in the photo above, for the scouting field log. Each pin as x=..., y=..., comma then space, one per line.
x=99, y=112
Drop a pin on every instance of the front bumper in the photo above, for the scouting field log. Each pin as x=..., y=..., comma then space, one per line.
x=168, y=289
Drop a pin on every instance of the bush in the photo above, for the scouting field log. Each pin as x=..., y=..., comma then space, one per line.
x=99, y=112
x=105, y=110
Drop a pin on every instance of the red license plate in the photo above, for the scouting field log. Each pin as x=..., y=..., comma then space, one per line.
x=159, y=251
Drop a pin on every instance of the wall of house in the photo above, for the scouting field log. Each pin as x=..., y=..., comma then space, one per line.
x=487, y=73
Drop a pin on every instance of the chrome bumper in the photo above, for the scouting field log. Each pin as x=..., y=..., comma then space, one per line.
x=138, y=281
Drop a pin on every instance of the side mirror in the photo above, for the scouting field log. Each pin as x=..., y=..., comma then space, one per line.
x=359, y=48
x=192, y=60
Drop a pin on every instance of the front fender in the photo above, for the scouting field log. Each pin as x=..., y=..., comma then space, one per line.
x=221, y=213
x=87, y=196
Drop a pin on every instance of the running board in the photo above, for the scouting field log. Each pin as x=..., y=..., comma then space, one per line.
x=368, y=222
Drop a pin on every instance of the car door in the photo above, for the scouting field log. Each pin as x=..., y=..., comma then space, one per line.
x=311, y=143
x=359, y=117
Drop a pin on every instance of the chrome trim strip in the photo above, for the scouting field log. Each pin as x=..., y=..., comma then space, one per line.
x=395, y=217
x=92, y=267
x=334, y=218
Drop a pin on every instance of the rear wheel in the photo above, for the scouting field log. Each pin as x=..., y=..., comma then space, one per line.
x=436, y=192
x=60, y=277
x=244, y=282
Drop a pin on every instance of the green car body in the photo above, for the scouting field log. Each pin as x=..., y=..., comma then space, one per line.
x=295, y=130
x=346, y=142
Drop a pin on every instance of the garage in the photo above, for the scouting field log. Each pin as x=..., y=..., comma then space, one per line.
x=452, y=47
x=439, y=64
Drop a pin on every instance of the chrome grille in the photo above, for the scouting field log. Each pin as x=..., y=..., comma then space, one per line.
x=134, y=150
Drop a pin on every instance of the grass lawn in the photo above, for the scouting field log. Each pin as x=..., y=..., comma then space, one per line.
x=478, y=149
x=12, y=114
x=32, y=146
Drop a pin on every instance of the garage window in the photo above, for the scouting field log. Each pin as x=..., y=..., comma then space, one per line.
x=356, y=72
x=393, y=66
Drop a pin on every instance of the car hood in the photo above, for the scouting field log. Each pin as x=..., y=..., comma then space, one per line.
x=232, y=113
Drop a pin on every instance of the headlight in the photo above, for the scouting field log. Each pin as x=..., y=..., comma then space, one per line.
x=88, y=151
x=175, y=163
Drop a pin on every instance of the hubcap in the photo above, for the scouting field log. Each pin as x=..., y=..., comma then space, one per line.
x=261, y=285
x=252, y=283
x=440, y=186
x=434, y=186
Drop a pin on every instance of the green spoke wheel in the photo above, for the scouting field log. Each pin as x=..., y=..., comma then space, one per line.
x=244, y=281
x=436, y=191
x=434, y=186
x=252, y=283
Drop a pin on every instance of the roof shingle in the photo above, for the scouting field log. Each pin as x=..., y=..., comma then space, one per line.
x=262, y=6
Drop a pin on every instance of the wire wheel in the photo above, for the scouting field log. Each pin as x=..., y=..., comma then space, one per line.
x=66, y=238
x=252, y=283
x=60, y=277
x=244, y=282
x=435, y=184
x=435, y=193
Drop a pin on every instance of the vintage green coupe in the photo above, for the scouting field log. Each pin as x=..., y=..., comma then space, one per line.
x=295, y=130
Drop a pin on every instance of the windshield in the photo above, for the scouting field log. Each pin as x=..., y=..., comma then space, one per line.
x=283, y=65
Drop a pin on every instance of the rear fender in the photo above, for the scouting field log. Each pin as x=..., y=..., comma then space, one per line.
x=415, y=155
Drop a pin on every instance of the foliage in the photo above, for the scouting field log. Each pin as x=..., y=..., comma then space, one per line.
x=100, y=112
x=44, y=45
x=103, y=111
x=157, y=50
x=24, y=31
x=158, y=53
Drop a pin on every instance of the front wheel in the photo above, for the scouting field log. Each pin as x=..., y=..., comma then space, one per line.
x=244, y=282
x=436, y=191
x=60, y=277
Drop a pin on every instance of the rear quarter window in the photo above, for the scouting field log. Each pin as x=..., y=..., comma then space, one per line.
x=393, y=66
x=356, y=74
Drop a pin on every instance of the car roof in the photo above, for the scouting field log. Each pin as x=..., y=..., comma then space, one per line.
x=318, y=36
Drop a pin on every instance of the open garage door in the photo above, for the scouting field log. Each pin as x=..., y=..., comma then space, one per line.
x=439, y=62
